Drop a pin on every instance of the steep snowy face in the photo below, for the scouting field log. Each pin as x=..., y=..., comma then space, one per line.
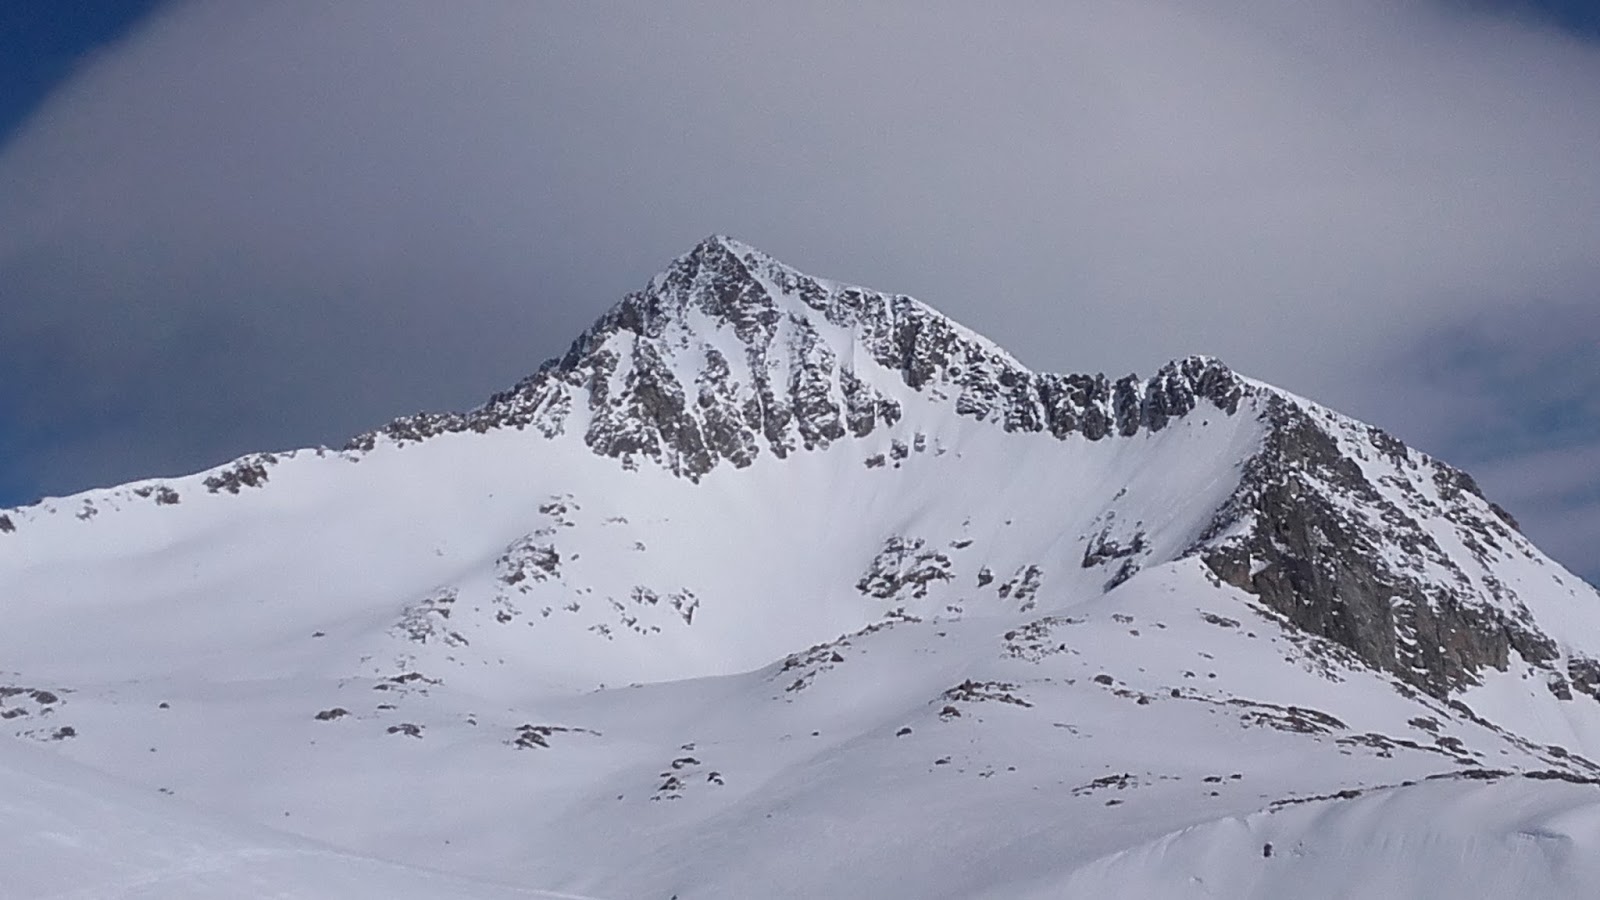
x=729, y=354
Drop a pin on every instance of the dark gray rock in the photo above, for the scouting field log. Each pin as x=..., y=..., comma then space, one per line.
x=1584, y=675
x=1309, y=557
x=248, y=471
x=904, y=568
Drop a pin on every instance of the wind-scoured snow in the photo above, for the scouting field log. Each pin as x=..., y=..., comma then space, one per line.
x=774, y=586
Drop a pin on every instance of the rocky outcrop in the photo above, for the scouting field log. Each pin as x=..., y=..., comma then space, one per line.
x=903, y=569
x=1317, y=541
x=1585, y=675
x=248, y=471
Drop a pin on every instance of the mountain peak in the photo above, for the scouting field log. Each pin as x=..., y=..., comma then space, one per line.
x=715, y=248
x=714, y=244
x=729, y=353
x=718, y=256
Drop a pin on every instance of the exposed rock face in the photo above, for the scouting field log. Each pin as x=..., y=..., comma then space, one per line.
x=1318, y=542
x=1585, y=675
x=729, y=353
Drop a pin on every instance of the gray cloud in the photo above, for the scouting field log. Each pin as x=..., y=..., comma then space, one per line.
x=254, y=225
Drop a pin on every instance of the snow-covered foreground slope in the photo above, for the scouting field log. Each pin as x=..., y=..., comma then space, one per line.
x=73, y=833
x=1434, y=841
x=778, y=587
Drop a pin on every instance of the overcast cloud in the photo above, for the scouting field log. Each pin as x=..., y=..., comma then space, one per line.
x=259, y=225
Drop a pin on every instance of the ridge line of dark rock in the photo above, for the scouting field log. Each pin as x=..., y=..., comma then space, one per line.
x=930, y=353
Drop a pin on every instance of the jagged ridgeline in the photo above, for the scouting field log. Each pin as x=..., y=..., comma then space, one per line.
x=730, y=353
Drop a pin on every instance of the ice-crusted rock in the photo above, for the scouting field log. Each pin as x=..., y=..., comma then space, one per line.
x=730, y=353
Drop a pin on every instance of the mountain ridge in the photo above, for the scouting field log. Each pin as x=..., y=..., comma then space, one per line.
x=729, y=354
x=815, y=384
x=650, y=623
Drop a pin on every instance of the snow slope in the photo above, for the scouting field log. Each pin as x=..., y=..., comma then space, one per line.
x=773, y=586
x=1432, y=841
x=75, y=833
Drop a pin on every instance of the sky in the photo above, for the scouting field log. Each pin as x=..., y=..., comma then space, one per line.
x=230, y=226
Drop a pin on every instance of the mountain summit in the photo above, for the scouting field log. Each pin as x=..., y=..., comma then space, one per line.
x=729, y=354
x=775, y=586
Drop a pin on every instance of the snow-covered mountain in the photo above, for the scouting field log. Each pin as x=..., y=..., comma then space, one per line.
x=773, y=586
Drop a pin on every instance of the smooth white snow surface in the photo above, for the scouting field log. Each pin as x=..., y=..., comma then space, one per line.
x=73, y=833
x=1431, y=841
